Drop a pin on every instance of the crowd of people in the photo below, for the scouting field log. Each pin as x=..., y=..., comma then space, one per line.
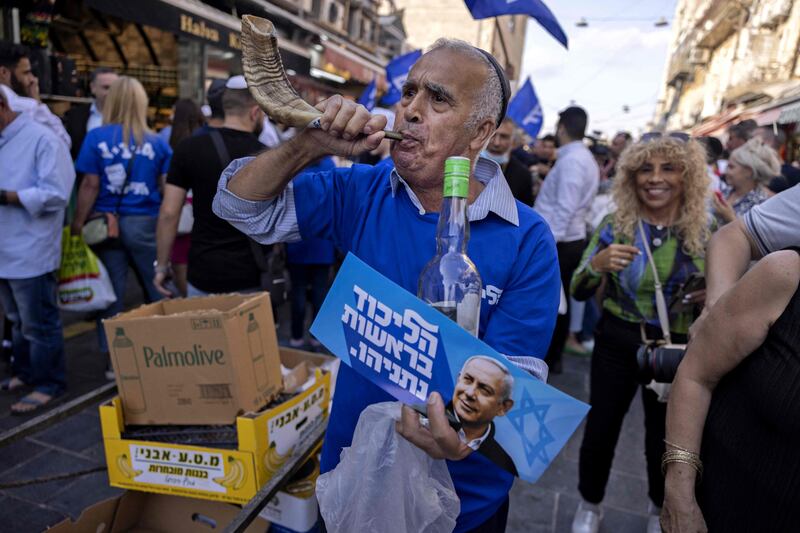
x=609, y=250
x=141, y=199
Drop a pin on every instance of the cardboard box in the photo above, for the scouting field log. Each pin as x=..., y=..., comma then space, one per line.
x=295, y=509
x=264, y=440
x=138, y=512
x=195, y=361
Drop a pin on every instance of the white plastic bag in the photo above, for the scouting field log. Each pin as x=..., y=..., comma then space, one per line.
x=384, y=483
x=83, y=282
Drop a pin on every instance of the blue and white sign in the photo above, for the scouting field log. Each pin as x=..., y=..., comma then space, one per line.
x=525, y=110
x=409, y=349
x=367, y=98
x=396, y=74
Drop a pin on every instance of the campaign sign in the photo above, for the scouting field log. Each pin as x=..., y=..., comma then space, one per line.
x=409, y=349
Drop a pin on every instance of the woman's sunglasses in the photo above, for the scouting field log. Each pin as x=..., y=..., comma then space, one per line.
x=653, y=135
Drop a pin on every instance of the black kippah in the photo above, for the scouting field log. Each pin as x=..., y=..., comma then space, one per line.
x=504, y=85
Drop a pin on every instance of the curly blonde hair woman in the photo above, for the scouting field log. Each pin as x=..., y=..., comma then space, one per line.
x=660, y=194
x=692, y=222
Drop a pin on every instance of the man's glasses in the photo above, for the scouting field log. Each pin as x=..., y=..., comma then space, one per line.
x=653, y=135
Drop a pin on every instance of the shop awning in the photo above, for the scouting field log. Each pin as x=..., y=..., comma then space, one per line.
x=195, y=20
x=344, y=63
x=767, y=117
x=789, y=114
x=716, y=125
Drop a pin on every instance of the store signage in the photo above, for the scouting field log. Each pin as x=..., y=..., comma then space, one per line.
x=166, y=16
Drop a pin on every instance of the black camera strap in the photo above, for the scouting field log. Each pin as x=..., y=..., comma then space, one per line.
x=661, y=302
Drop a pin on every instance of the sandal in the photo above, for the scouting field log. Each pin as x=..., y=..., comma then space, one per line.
x=34, y=401
x=12, y=384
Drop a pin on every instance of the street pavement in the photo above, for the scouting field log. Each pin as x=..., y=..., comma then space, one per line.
x=76, y=444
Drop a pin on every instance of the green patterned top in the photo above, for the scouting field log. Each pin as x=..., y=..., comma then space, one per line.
x=630, y=293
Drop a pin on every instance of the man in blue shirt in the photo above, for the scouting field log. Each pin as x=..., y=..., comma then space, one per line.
x=35, y=185
x=452, y=101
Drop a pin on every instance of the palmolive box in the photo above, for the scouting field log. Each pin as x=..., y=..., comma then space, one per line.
x=231, y=472
x=195, y=361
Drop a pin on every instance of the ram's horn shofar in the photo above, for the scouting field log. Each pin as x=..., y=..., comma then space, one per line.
x=267, y=81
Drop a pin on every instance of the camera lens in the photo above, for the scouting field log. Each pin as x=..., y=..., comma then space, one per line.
x=659, y=363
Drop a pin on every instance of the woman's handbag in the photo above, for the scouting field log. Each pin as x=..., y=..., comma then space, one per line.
x=100, y=228
x=658, y=359
x=103, y=228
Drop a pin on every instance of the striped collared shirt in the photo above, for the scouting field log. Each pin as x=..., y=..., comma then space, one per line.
x=495, y=197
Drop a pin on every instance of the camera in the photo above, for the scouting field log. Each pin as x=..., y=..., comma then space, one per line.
x=659, y=363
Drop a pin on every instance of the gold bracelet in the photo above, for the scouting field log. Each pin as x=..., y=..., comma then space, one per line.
x=680, y=456
x=668, y=443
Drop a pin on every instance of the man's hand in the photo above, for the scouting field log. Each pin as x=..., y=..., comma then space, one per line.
x=160, y=283
x=347, y=128
x=440, y=441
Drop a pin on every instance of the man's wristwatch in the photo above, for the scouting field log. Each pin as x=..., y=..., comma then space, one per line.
x=162, y=269
x=3, y=197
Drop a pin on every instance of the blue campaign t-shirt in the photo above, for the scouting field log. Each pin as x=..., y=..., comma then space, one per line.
x=313, y=251
x=355, y=209
x=104, y=153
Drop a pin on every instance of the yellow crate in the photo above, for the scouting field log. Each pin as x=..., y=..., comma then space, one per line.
x=265, y=439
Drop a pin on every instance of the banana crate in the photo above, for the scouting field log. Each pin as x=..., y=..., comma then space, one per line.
x=224, y=463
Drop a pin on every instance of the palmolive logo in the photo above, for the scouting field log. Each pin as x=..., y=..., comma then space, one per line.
x=197, y=356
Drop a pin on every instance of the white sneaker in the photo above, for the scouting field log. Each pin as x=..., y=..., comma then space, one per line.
x=587, y=519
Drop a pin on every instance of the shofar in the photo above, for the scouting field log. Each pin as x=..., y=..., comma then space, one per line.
x=267, y=81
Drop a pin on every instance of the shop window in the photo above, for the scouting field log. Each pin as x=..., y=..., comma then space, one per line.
x=354, y=24
x=333, y=13
x=366, y=30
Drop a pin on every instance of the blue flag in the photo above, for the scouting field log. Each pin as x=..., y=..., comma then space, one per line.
x=482, y=9
x=367, y=98
x=396, y=74
x=525, y=109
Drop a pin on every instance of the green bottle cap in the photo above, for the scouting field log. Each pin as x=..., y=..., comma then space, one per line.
x=456, y=177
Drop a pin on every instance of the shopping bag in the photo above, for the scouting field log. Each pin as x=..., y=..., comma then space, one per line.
x=83, y=282
x=385, y=483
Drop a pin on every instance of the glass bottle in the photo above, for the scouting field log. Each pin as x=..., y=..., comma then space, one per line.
x=450, y=282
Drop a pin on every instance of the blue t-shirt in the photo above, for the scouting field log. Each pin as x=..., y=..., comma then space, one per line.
x=313, y=251
x=104, y=153
x=355, y=209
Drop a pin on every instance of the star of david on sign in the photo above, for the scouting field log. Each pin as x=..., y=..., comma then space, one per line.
x=517, y=416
